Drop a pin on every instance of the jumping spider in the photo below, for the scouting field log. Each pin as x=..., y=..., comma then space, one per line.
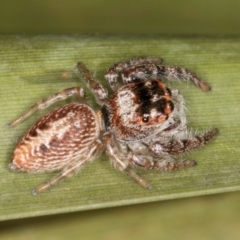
x=142, y=124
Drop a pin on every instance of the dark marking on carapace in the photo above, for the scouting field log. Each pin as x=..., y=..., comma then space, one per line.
x=144, y=94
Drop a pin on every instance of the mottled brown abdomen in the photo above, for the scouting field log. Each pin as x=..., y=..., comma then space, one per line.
x=56, y=139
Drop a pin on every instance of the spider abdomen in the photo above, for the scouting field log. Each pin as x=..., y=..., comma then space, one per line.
x=56, y=139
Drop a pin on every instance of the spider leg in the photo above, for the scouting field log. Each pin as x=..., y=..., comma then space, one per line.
x=166, y=146
x=171, y=73
x=112, y=74
x=62, y=95
x=71, y=168
x=120, y=161
x=97, y=89
x=165, y=164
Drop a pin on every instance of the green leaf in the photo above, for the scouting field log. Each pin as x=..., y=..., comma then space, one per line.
x=33, y=68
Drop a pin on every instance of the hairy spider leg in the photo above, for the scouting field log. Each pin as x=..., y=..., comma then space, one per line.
x=112, y=75
x=170, y=73
x=45, y=103
x=100, y=93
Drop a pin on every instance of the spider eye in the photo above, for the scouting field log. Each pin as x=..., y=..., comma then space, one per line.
x=145, y=119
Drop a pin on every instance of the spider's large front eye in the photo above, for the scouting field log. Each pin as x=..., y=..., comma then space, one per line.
x=145, y=119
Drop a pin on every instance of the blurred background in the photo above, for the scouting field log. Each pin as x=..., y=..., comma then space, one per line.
x=206, y=217
x=120, y=17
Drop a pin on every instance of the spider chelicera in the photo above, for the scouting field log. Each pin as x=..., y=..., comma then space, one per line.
x=142, y=124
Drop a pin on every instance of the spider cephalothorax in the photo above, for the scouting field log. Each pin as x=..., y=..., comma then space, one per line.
x=143, y=124
x=138, y=110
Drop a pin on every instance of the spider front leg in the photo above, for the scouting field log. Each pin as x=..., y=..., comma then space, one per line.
x=112, y=75
x=171, y=146
x=154, y=71
x=45, y=103
x=165, y=148
x=120, y=161
x=138, y=69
